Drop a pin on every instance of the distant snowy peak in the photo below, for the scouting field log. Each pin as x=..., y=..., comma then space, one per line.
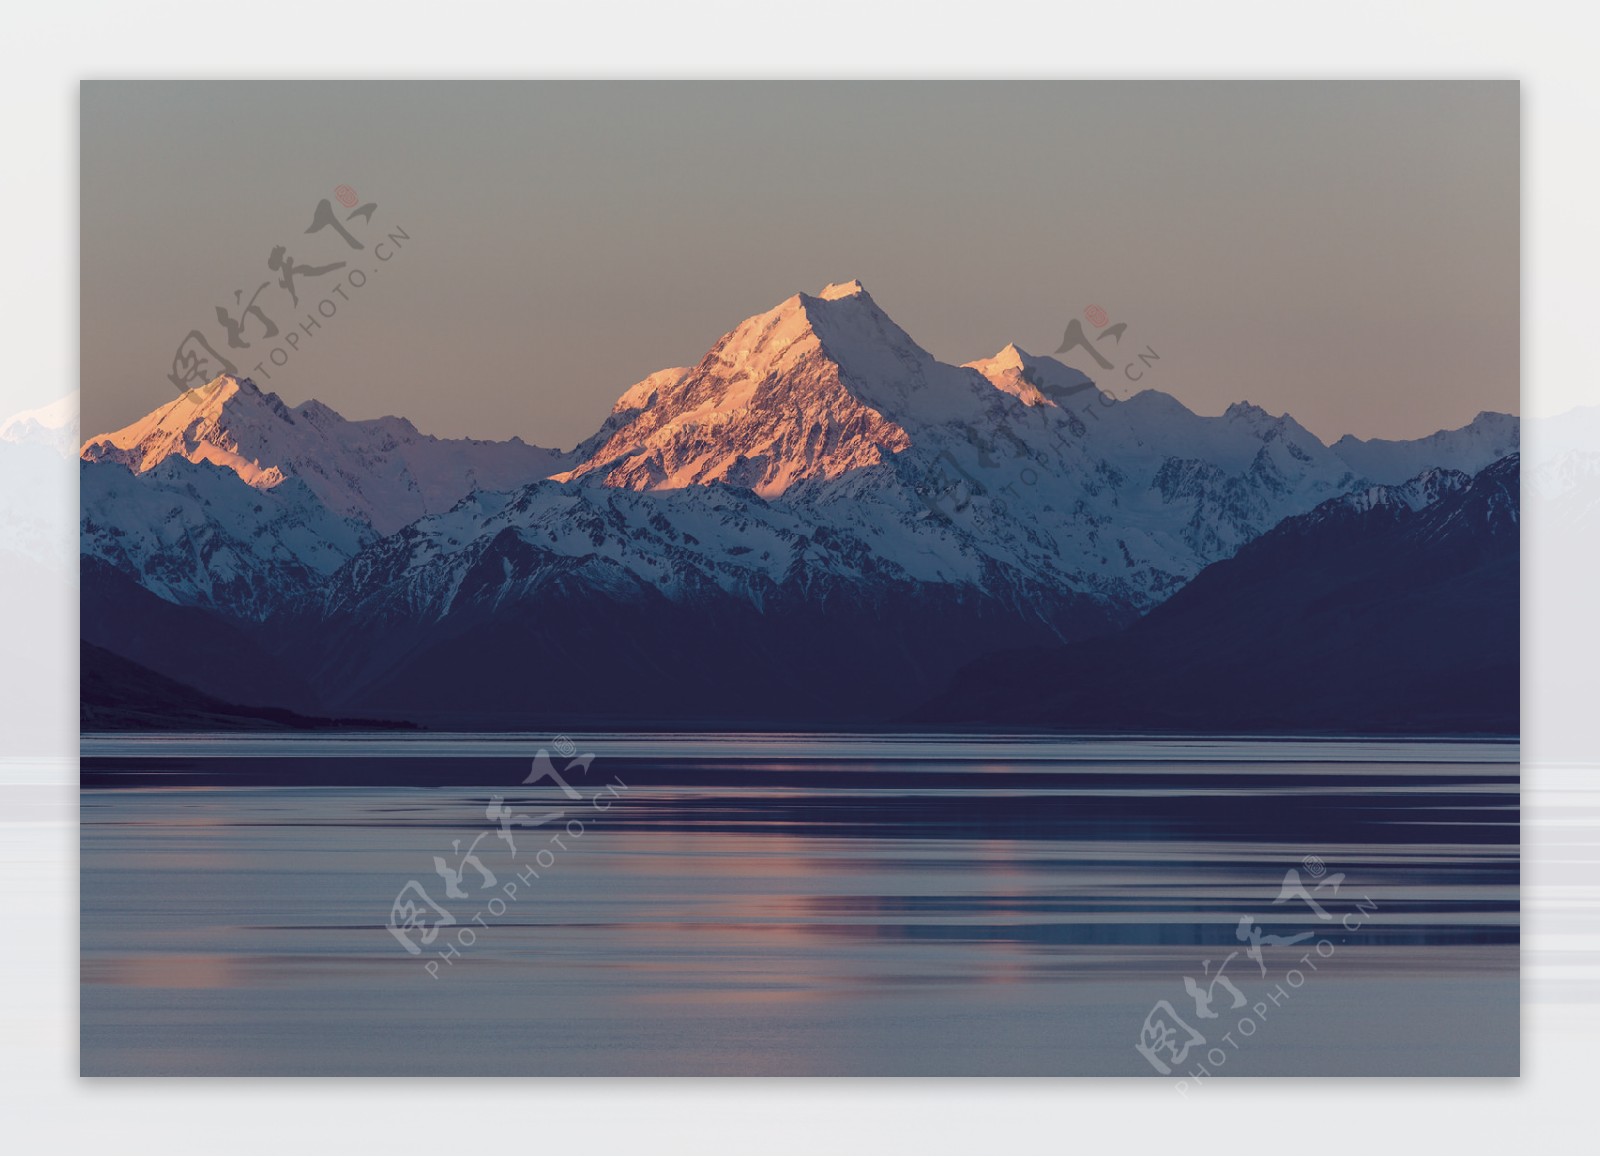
x=381, y=471
x=1487, y=438
x=54, y=426
x=1036, y=381
x=843, y=289
x=221, y=422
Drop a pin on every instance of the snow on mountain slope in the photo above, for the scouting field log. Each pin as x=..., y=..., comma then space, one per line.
x=712, y=538
x=382, y=470
x=1424, y=490
x=1035, y=381
x=766, y=408
x=1437, y=505
x=1487, y=438
x=196, y=535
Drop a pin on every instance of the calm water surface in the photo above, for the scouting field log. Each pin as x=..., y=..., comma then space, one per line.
x=796, y=905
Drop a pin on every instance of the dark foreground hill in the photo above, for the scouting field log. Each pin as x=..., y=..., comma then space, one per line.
x=1392, y=610
x=117, y=694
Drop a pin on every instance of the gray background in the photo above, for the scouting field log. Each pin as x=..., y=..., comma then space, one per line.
x=1345, y=251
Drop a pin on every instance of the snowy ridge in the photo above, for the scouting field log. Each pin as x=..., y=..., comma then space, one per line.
x=1425, y=489
x=683, y=545
x=382, y=470
x=1436, y=503
x=192, y=534
x=1487, y=438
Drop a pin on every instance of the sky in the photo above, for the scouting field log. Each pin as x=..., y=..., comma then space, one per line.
x=1347, y=252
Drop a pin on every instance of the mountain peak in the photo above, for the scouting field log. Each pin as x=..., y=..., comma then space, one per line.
x=786, y=395
x=1246, y=410
x=1033, y=379
x=379, y=471
x=1490, y=436
x=1011, y=356
x=220, y=388
x=201, y=425
x=851, y=288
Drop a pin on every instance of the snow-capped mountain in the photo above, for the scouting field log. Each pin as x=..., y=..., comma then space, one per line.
x=193, y=534
x=1487, y=438
x=819, y=514
x=382, y=470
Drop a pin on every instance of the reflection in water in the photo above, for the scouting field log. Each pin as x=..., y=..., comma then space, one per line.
x=814, y=905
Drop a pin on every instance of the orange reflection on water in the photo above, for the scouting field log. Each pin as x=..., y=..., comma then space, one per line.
x=166, y=970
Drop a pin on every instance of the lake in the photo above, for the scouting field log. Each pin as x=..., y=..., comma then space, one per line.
x=811, y=905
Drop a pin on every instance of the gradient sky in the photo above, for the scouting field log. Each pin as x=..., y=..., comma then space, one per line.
x=1345, y=251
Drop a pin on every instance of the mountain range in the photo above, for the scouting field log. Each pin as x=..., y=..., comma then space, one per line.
x=820, y=523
